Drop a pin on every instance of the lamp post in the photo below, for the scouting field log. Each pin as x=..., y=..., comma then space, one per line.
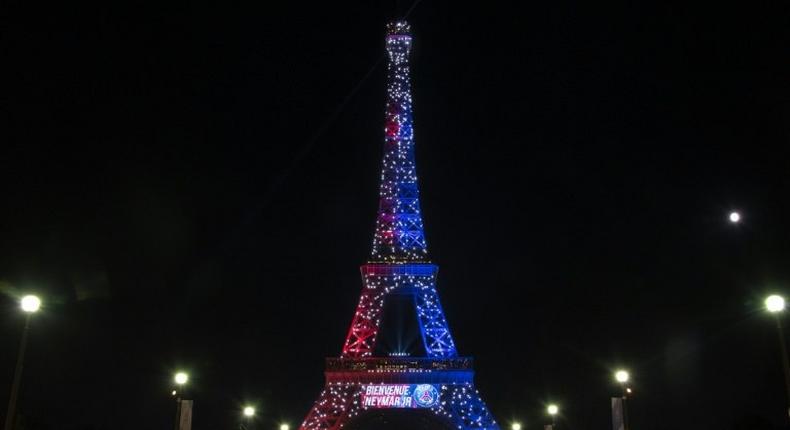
x=180, y=378
x=248, y=413
x=553, y=410
x=775, y=305
x=29, y=304
x=622, y=377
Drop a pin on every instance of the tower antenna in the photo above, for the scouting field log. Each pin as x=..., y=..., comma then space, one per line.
x=411, y=8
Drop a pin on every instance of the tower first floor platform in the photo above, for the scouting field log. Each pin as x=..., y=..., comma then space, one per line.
x=360, y=390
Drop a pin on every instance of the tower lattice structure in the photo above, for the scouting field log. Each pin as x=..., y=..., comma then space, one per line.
x=358, y=381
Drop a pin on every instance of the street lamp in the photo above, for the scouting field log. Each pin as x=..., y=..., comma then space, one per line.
x=284, y=427
x=553, y=410
x=248, y=412
x=30, y=304
x=622, y=377
x=180, y=378
x=775, y=304
x=515, y=426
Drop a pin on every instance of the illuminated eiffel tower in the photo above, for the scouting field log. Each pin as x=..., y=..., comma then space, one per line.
x=365, y=389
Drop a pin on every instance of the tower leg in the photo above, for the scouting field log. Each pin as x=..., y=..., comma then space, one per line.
x=435, y=331
x=364, y=327
x=337, y=404
x=463, y=406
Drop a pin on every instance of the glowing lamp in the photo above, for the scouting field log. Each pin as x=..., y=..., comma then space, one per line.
x=248, y=411
x=284, y=427
x=621, y=376
x=553, y=409
x=775, y=303
x=181, y=378
x=515, y=426
x=30, y=303
x=735, y=217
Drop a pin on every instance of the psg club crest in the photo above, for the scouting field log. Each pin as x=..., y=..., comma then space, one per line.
x=426, y=395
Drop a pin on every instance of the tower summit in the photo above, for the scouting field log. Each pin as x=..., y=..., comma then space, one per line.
x=367, y=391
x=399, y=235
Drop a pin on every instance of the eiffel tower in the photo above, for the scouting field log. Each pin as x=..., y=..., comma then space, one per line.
x=367, y=389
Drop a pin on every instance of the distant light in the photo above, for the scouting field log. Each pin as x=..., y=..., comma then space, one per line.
x=775, y=303
x=30, y=303
x=628, y=390
x=249, y=411
x=174, y=392
x=621, y=376
x=284, y=427
x=735, y=217
x=515, y=426
x=181, y=378
x=553, y=409
x=399, y=354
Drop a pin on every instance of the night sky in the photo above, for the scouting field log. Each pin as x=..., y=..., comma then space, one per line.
x=194, y=186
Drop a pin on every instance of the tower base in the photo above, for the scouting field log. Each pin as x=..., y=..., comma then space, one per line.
x=439, y=389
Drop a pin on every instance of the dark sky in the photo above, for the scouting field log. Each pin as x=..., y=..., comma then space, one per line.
x=194, y=186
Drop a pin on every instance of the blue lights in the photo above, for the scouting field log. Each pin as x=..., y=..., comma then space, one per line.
x=418, y=280
x=435, y=331
x=399, y=233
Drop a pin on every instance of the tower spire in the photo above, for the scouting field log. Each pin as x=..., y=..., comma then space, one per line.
x=399, y=232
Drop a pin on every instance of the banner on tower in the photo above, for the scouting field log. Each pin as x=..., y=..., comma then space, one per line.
x=400, y=396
